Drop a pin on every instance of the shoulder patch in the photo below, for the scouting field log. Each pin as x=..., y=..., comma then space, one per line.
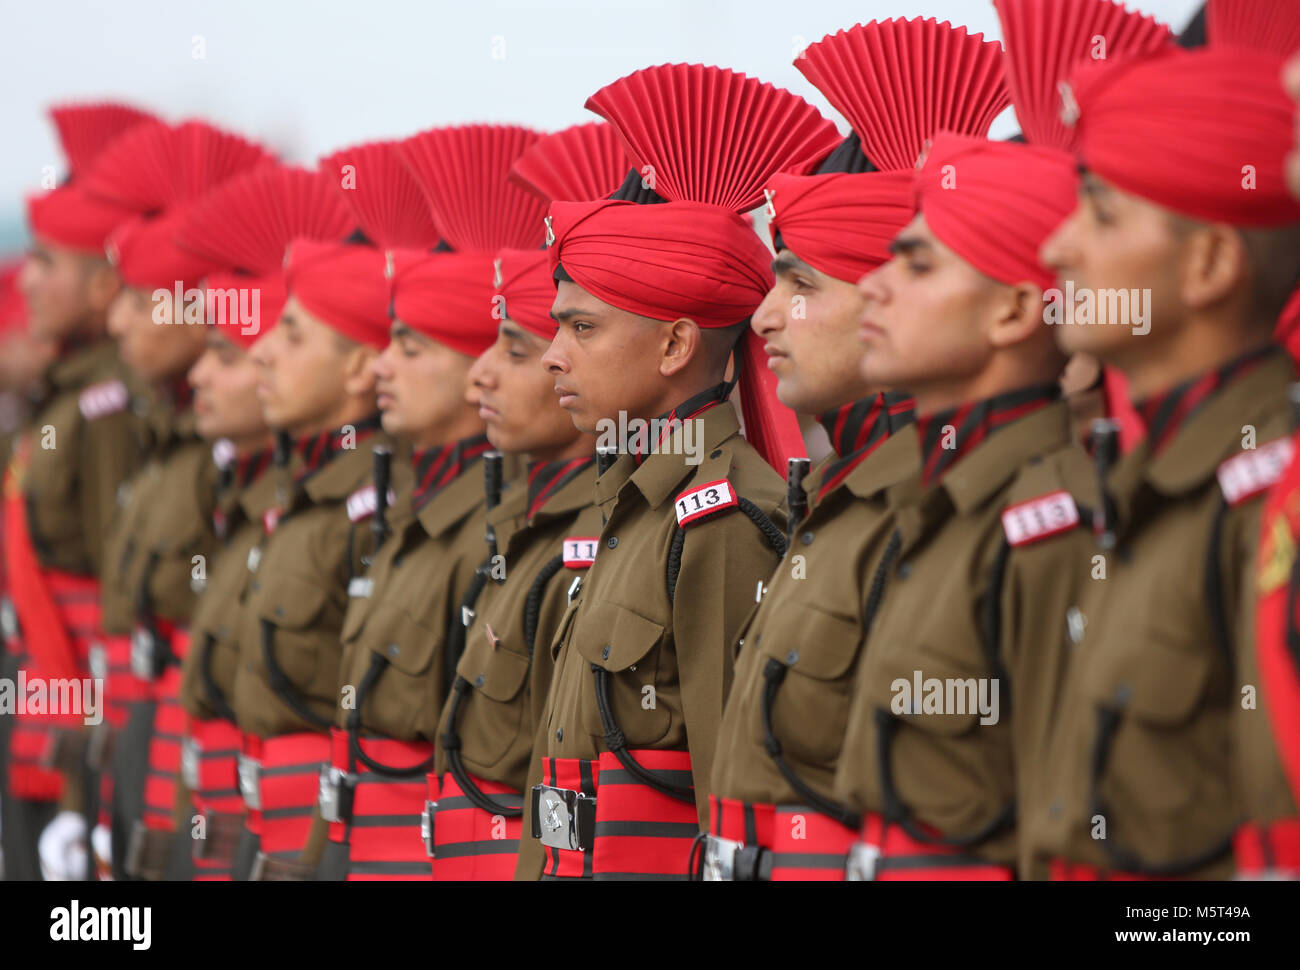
x=1245, y=475
x=704, y=501
x=1040, y=518
x=102, y=399
x=270, y=519
x=364, y=501
x=580, y=551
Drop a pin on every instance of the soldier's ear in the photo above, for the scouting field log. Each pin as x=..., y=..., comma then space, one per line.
x=358, y=371
x=683, y=342
x=102, y=284
x=1018, y=315
x=1215, y=264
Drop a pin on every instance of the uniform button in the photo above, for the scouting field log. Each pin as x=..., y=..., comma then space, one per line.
x=392, y=650
x=904, y=570
x=792, y=658
x=478, y=681
x=559, y=734
x=806, y=538
x=279, y=611
x=612, y=541
x=604, y=654
x=716, y=454
x=256, y=586
x=1056, y=808
x=1075, y=624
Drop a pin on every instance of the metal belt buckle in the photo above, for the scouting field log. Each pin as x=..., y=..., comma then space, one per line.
x=720, y=858
x=863, y=858
x=426, y=826
x=335, y=794
x=249, y=775
x=191, y=755
x=259, y=868
x=556, y=814
x=8, y=618
x=142, y=653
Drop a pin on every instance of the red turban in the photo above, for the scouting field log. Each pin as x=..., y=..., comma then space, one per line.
x=525, y=290
x=841, y=224
x=226, y=295
x=342, y=285
x=69, y=217
x=1204, y=133
x=448, y=298
x=995, y=203
x=146, y=256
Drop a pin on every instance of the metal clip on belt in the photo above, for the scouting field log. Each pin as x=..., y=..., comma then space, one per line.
x=862, y=863
x=191, y=755
x=335, y=794
x=426, y=826
x=249, y=782
x=726, y=860
x=149, y=658
x=563, y=818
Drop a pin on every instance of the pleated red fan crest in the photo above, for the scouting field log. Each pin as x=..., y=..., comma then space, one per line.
x=155, y=166
x=1266, y=25
x=1046, y=39
x=381, y=195
x=579, y=164
x=86, y=128
x=248, y=221
x=900, y=81
x=464, y=171
x=712, y=135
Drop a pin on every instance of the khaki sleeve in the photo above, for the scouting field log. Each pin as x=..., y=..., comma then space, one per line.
x=722, y=563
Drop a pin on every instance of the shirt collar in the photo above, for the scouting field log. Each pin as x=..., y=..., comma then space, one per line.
x=856, y=430
x=437, y=467
x=950, y=435
x=318, y=450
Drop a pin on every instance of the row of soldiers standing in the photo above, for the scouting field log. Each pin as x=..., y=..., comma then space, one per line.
x=409, y=585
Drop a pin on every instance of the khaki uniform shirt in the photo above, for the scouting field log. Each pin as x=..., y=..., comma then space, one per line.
x=671, y=662
x=86, y=440
x=811, y=620
x=297, y=585
x=1149, y=653
x=953, y=767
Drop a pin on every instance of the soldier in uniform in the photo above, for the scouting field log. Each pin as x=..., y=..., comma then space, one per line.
x=397, y=634
x=1142, y=777
x=771, y=814
x=652, y=299
x=61, y=492
x=541, y=536
x=162, y=537
x=318, y=386
x=246, y=223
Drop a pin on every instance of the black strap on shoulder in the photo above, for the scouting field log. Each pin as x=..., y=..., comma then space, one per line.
x=991, y=620
x=458, y=629
x=533, y=602
x=897, y=813
x=771, y=534
x=450, y=741
x=617, y=743
x=378, y=664
x=163, y=655
x=1108, y=721
x=1214, y=599
x=282, y=685
x=211, y=692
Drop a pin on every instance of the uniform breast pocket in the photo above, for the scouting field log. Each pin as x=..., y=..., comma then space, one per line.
x=627, y=646
x=400, y=703
x=498, y=675
x=1164, y=740
x=294, y=607
x=818, y=648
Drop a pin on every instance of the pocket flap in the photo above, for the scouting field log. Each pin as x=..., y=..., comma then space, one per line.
x=405, y=642
x=813, y=641
x=496, y=670
x=1153, y=678
x=292, y=602
x=615, y=637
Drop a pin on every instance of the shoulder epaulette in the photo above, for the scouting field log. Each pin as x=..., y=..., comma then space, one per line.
x=102, y=399
x=1040, y=518
x=1248, y=474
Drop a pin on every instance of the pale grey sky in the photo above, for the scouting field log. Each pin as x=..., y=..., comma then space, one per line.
x=308, y=76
